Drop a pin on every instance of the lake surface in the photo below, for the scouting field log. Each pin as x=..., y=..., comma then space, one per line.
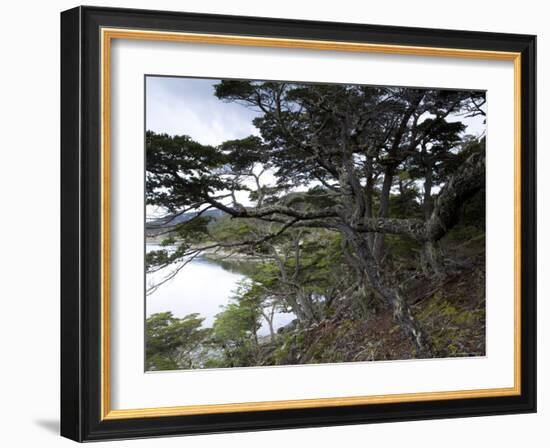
x=204, y=287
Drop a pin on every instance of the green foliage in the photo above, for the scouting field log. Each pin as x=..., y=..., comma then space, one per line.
x=243, y=154
x=157, y=259
x=456, y=324
x=235, y=329
x=229, y=229
x=168, y=241
x=173, y=343
x=182, y=237
x=180, y=171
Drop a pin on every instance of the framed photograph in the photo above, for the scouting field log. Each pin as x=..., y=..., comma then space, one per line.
x=276, y=224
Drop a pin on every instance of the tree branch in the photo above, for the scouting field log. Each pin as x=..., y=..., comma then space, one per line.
x=330, y=212
x=468, y=180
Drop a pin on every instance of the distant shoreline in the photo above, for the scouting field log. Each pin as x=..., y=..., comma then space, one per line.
x=216, y=255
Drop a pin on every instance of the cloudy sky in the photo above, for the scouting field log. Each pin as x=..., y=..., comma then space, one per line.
x=188, y=106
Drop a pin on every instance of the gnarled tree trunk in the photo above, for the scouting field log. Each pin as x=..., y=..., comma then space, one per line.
x=392, y=297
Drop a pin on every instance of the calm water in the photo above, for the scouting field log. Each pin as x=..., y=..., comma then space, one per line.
x=203, y=287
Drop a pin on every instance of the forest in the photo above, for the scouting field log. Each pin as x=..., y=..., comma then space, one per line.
x=358, y=209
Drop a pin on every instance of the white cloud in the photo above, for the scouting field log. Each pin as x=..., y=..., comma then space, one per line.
x=188, y=106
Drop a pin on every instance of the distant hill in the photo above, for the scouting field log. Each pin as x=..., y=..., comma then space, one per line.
x=155, y=226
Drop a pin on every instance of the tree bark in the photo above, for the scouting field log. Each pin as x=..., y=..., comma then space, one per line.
x=392, y=297
x=468, y=180
x=432, y=259
x=428, y=200
x=378, y=247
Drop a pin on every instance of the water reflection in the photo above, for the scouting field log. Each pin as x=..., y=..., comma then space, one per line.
x=203, y=286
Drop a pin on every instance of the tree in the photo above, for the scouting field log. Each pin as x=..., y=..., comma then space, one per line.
x=173, y=343
x=235, y=329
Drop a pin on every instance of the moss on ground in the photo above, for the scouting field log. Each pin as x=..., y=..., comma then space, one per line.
x=451, y=313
